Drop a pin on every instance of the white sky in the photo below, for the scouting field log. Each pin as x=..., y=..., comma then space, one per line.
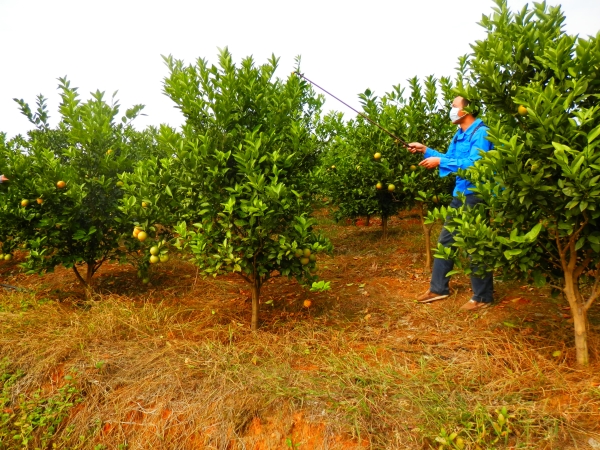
x=346, y=46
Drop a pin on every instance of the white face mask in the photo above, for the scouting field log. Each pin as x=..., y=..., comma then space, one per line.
x=454, y=114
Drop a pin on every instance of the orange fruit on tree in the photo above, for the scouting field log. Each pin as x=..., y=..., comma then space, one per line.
x=40, y=201
x=154, y=259
x=377, y=155
x=522, y=110
x=142, y=236
x=24, y=203
x=61, y=184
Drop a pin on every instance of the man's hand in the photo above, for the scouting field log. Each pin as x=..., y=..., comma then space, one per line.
x=430, y=163
x=3, y=178
x=416, y=147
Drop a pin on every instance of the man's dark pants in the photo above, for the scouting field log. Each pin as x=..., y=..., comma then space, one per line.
x=483, y=287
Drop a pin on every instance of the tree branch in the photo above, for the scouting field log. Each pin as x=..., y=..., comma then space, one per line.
x=95, y=267
x=558, y=266
x=593, y=296
x=244, y=277
x=79, y=277
x=583, y=266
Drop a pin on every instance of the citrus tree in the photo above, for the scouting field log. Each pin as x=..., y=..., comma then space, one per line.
x=366, y=172
x=239, y=180
x=61, y=203
x=540, y=219
x=362, y=164
x=427, y=122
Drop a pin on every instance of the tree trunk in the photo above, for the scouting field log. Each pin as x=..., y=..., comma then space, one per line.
x=87, y=281
x=427, y=235
x=255, y=304
x=384, y=226
x=580, y=320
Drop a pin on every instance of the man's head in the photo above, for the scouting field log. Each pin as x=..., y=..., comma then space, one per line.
x=458, y=114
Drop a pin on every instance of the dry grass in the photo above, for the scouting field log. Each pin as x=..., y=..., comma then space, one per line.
x=175, y=366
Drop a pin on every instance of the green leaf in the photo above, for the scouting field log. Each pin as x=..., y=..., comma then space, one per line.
x=508, y=254
x=592, y=135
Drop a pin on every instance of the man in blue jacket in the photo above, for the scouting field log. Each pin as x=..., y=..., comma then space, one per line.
x=464, y=150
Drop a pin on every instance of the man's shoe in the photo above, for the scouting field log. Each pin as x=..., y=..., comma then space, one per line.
x=429, y=297
x=474, y=305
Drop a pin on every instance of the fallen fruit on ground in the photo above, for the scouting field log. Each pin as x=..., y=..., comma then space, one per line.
x=307, y=303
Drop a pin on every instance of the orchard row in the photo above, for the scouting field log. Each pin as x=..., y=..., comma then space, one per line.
x=234, y=187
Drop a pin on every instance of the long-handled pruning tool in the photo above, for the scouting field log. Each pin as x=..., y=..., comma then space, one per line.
x=396, y=138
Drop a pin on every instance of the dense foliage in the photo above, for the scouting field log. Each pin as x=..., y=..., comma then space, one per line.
x=62, y=201
x=541, y=217
x=237, y=189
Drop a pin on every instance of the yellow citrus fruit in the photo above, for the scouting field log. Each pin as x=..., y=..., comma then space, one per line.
x=522, y=110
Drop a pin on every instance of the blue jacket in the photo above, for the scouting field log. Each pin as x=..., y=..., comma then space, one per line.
x=462, y=154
